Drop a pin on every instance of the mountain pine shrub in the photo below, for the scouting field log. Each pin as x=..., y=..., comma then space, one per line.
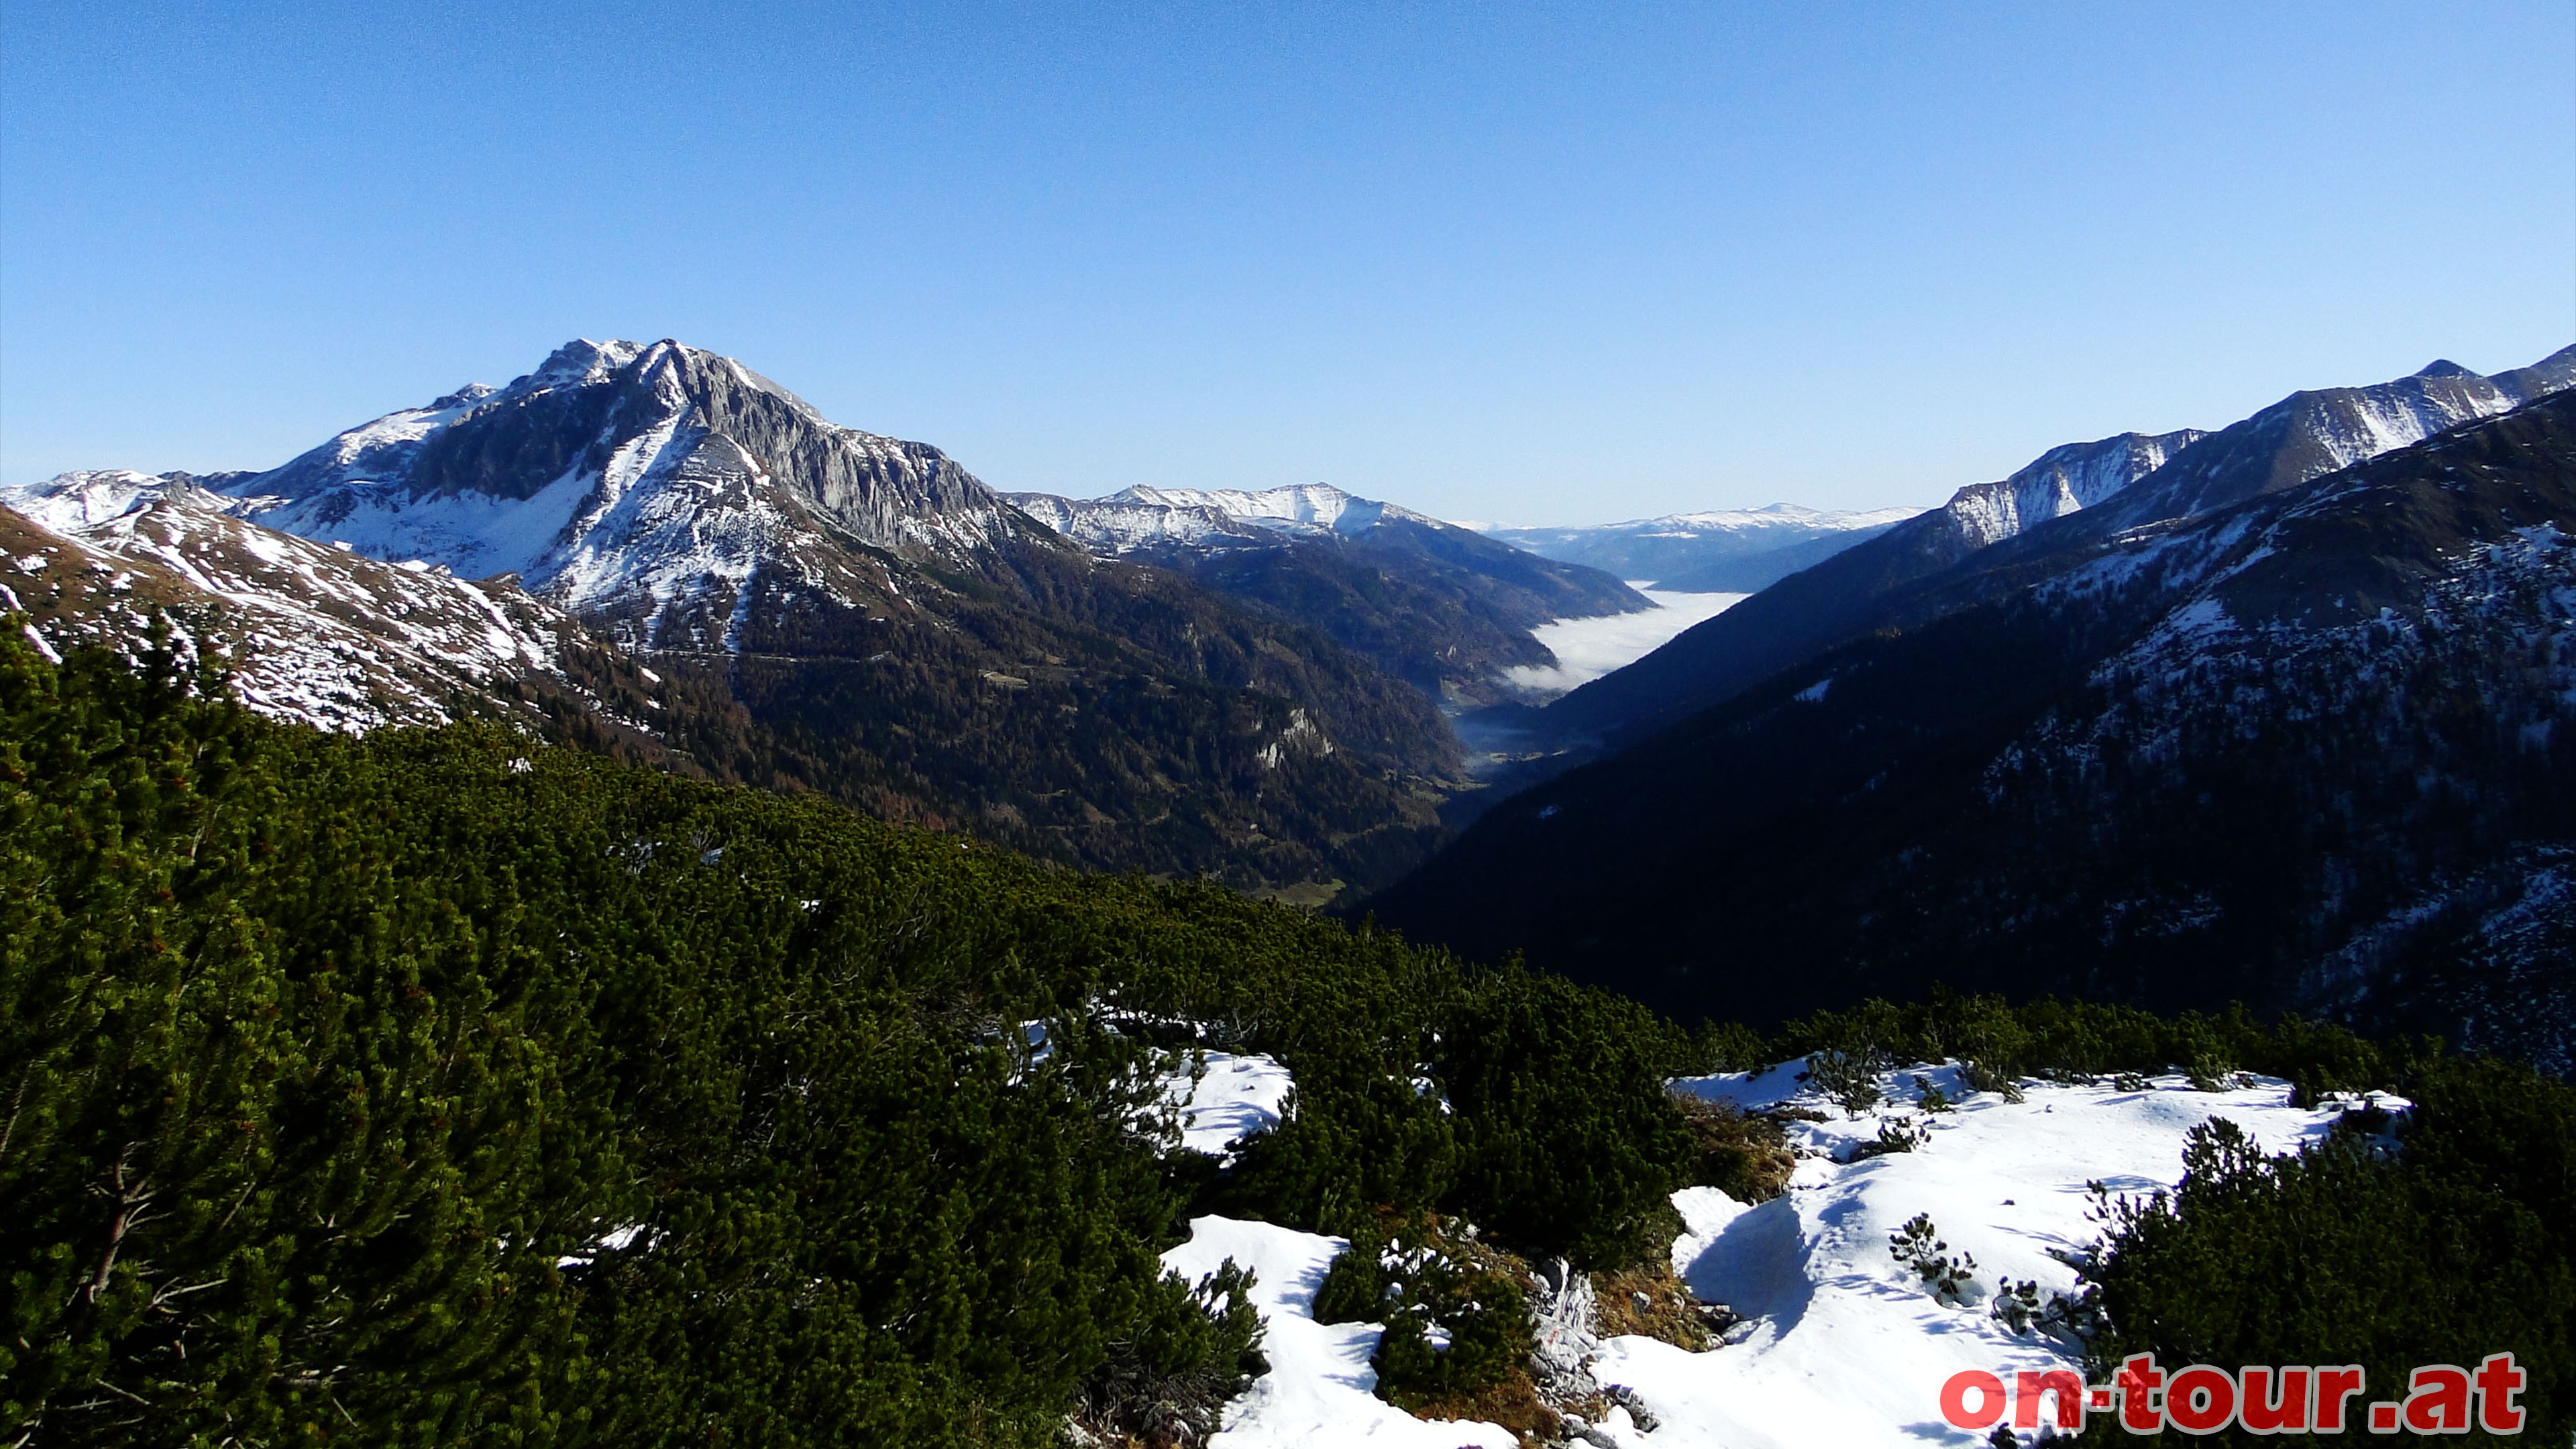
x=437, y=1086
x=2451, y=1244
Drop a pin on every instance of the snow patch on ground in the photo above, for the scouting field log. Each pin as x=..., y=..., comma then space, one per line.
x=1586, y=649
x=1320, y=1389
x=1845, y=1347
x=1237, y=1097
x=1840, y=1345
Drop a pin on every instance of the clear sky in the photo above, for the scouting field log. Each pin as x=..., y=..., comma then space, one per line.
x=1533, y=263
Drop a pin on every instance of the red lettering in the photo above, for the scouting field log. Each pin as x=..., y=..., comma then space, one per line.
x=2139, y=1381
x=2201, y=1400
x=2437, y=1400
x=2498, y=1382
x=2336, y=1386
x=2262, y=1411
x=2068, y=1387
x=1990, y=1399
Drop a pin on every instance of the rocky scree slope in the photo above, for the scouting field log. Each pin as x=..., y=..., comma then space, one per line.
x=2315, y=750
x=1444, y=608
x=859, y=615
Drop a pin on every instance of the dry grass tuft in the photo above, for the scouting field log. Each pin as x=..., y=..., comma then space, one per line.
x=1649, y=1300
x=1743, y=1154
x=1513, y=1403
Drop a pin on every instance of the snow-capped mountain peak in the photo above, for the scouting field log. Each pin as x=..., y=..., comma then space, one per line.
x=1319, y=505
x=2063, y=480
x=1730, y=550
x=1768, y=516
x=1144, y=516
x=618, y=477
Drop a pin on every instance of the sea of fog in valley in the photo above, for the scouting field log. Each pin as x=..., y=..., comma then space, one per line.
x=1586, y=649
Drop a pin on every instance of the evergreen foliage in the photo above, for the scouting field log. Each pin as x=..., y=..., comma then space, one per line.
x=441, y=1087
x=1744, y=1155
x=2453, y=1241
x=1456, y=1314
x=438, y=1087
x=1949, y=1277
x=1997, y=1042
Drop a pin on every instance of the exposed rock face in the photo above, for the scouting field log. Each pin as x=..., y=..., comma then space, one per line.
x=1563, y=1344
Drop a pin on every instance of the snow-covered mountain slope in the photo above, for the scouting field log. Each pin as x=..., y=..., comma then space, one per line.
x=1837, y=1342
x=1719, y=551
x=2310, y=434
x=623, y=478
x=860, y=616
x=2062, y=481
x=1443, y=607
x=2314, y=751
x=2050, y=515
x=1143, y=517
x=312, y=633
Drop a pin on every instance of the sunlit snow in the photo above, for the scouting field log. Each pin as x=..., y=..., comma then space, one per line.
x=1236, y=1097
x=1845, y=1347
x=1320, y=1389
x=1839, y=1344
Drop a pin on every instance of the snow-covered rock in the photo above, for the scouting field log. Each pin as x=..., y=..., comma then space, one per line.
x=2061, y=481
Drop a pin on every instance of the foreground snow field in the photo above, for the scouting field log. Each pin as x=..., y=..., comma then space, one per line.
x=1841, y=1345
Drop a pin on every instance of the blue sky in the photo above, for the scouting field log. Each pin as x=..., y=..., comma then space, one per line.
x=1529, y=263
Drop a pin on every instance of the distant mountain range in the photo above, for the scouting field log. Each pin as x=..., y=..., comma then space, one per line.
x=2279, y=712
x=671, y=554
x=2284, y=713
x=1725, y=552
x=1441, y=607
x=2072, y=497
